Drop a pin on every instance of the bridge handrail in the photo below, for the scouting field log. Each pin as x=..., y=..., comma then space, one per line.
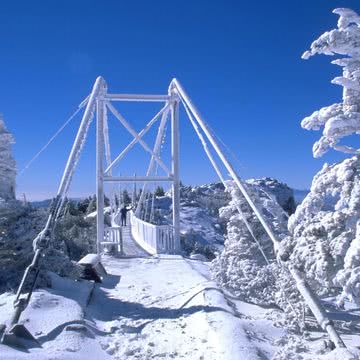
x=155, y=239
x=113, y=234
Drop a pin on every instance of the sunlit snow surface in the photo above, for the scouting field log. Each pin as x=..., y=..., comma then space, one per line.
x=152, y=308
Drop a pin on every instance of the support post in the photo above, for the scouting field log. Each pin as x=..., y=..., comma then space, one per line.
x=99, y=173
x=134, y=192
x=175, y=168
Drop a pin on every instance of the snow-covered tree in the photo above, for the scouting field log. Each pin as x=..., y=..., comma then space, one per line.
x=326, y=226
x=92, y=205
x=341, y=119
x=7, y=164
x=159, y=191
x=248, y=267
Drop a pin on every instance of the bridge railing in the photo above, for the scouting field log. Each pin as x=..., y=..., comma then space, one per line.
x=113, y=237
x=155, y=239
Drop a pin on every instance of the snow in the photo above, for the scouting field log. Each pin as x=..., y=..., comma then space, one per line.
x=157, y=307
x=202, y=229
x=246, y=264
x=92, y=215
x=55, y=317
x=196, y=224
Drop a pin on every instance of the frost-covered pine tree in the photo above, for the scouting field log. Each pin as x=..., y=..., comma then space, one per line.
x=341, y=119
x=326, y=226
x=247, y=266
x=7, y=163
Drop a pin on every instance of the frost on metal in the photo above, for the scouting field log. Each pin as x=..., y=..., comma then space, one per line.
x=7, y=163
x=326, y=230
x=341, y=119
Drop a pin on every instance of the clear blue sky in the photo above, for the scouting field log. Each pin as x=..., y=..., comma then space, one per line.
x=239, y=60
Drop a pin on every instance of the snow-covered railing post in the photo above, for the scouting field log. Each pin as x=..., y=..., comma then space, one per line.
x=113, y=238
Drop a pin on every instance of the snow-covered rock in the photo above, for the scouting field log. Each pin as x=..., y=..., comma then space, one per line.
x=283, y=194
x=7, y=163
x=202, y=228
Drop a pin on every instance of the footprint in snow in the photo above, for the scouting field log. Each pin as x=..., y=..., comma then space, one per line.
x=131, y=352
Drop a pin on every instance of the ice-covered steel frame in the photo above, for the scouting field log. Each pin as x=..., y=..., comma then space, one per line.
x=177, y=94
x=104, y=173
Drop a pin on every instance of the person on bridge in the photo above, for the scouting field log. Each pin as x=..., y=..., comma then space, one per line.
x=123, y=212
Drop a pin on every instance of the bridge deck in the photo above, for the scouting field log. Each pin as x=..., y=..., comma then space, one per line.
x=131, y=248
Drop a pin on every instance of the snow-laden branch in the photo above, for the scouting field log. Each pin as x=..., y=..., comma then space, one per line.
x=341, y=119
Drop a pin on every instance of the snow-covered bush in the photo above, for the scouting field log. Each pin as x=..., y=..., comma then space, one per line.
x=325, y=227
x=19, y=225
x=242, y=268
x=75, y=235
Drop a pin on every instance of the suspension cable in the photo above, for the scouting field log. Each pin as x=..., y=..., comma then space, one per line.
x=62, y=127
x=237, y=201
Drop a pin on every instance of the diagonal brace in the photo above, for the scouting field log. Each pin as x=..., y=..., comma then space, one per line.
x=135, y=140
x=137, y=137
x=157, y=146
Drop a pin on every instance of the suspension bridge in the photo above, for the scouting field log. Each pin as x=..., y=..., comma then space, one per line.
x=142, y=237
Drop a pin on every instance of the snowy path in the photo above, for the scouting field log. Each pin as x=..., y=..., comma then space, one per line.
x=166, y=308
x=150, y=312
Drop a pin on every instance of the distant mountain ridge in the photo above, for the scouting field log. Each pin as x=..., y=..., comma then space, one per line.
x=46, y=203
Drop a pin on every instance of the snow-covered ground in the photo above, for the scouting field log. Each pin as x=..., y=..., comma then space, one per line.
x=153, y=308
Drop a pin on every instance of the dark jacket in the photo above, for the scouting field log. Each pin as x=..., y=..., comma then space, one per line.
x=123, y=211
